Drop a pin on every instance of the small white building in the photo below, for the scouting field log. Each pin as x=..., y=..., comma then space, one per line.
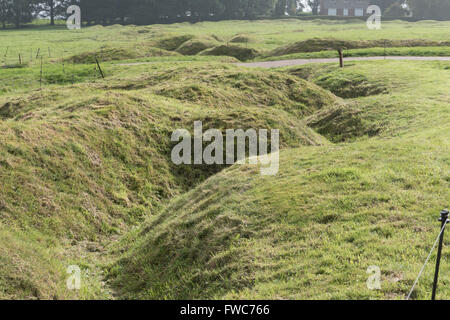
x=344, y=8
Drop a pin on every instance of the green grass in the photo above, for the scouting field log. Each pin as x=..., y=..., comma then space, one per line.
x=96, y=155
x=86, y=176
x=443, y=51
x=263, y=36
x=312, y=231
x=318, y=44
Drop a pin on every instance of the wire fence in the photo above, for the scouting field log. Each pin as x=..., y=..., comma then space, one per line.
x=439, y=239
x=30, y=53
x=37, y=67
x=17, y=55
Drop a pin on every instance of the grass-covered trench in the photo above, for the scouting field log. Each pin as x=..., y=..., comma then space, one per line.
x=86, y=177
x=312, y=231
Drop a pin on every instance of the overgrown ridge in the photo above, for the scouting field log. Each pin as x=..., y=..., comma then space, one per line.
x=320, y=44
x=112, y=148
x=312, y=231
x=82, y=163
x=87, y=178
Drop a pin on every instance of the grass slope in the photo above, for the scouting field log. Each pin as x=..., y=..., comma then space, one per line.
x=80, y=164
x=313, y=230
x=85, y=160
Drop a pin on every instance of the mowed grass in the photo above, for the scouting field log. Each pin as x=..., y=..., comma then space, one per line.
x=87, y=178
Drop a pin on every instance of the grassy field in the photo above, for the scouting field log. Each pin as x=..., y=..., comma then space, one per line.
x=86, y=176
x=264, y=36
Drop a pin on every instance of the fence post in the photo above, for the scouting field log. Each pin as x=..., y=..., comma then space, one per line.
x=99, y=68
x=443, y=219
x=40, y=78
x=6, y=54
x=341, y=58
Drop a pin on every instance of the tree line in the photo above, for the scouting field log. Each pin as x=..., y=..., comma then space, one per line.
x=18, y=12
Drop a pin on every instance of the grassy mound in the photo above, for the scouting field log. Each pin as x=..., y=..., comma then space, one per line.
x=117, y=54
x=38, y=137
x=118, y=132
x=229, y=87
x=349, y=84
x=106, y=54
x=23, y=263
x=342, y=123
x=311, y=232
x=318, y=44
x=83, y=165
x=345, y=83
x=85, y=169
x=241, y=39
x=237, y=52
x=311, y=71
x=172, y=43
x=195, y=46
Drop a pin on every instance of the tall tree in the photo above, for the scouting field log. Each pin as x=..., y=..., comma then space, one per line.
x=234, y=9
x=294, y=6
x=430, y=9
x=50, y=9
x=5, y=8
x=280, y=8
x=257, y=8
x=314, y=4
x=396, y=10
x=19, y=12
x=385, y=4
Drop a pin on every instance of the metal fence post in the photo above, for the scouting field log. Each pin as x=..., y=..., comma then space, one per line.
x=443, y=219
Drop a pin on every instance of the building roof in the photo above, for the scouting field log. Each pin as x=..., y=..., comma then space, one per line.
x=345, y=4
